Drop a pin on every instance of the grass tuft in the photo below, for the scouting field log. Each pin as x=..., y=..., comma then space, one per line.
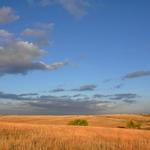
x=78, y=122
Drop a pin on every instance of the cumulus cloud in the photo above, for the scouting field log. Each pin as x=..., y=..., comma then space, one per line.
x=88, y=87
x=7, y=15
x=19, y=57
x=136, y=74
x=74, y=7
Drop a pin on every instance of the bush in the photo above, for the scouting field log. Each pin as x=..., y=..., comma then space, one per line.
x=79, y=122
x=134, y=124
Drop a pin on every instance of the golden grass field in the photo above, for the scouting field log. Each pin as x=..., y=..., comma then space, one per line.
x=105, y=132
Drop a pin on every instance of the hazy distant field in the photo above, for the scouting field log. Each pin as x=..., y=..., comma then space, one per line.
x=53, y=133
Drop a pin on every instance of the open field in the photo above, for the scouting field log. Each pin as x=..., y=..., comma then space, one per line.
x=53, y=133
x=94, y=120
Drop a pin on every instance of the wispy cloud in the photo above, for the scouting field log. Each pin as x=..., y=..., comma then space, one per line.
x=28, y=94
x=7, y=15
x=40, y=33
x=107, y=80
x=129, y=101
x=118, y=86
x=100, y=96
x=30, y=2
x=74, y=7
x=136, y=74
x=82, y=88
x=88, y=87
x=58, y=90
x=78, y=95
x=124, y=96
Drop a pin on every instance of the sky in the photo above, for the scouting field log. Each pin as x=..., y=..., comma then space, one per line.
x=74, y=56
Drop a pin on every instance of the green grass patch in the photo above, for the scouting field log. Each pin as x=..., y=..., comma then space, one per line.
x=79, y=122
x=133, y=124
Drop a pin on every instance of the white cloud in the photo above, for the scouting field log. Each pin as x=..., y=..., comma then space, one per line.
x=7, y=15
x=33, y=32
x=5, y=34
x=19, y=57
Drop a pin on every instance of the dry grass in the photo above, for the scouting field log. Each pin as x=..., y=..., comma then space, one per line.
x=94, y=120
x=38, y=133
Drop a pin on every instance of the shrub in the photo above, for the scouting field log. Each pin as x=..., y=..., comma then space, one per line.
x=134, y=124
x=79, y=122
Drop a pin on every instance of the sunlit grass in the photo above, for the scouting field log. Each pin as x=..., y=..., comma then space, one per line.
x=28, y=136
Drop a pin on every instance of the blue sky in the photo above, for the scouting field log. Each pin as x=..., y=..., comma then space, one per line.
x=74, y=56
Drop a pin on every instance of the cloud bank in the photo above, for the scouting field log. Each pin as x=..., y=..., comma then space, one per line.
x=79, y=103
x=51, y=104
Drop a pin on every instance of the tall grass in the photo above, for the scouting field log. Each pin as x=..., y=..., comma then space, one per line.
x=17, y=136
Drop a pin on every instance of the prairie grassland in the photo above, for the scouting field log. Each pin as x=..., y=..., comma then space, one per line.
x=94, y=120
x=28, y=133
